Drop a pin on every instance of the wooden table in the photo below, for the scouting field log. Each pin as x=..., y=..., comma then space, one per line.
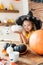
x=30, y=59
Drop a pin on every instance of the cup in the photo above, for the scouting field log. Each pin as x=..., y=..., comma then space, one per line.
x=14, y=56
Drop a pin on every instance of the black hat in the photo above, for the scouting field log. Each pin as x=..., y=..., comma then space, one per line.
x=33, y=19
x=37, y=22
x=21, y=19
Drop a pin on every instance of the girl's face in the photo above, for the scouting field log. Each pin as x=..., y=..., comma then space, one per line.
x=27, y=25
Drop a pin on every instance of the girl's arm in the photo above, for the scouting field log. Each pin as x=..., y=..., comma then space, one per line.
x=23, y=39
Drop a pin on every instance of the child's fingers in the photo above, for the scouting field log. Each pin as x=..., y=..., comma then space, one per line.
x=17, y=32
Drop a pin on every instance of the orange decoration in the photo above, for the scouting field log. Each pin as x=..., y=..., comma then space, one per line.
x=13, y=63
x=4, y=52
x=36, y=42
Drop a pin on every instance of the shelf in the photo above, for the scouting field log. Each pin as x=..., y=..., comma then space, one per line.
x=6, y=24
x=9, y=11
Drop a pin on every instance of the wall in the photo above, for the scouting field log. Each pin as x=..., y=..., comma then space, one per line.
x=22, y=6
x=25, y=6
x=37, y=10
x=17, y=5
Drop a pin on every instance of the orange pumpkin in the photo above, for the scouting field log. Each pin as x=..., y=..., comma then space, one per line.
x=12, y=63
x=36, y=42
x=4, y=52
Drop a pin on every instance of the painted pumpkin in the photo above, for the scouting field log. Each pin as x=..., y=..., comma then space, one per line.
x=9, y=49
x=36, y=42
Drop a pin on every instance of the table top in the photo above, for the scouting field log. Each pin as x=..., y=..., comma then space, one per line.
x=30, y=59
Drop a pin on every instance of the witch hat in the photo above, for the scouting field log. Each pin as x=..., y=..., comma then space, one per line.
x=37, y=22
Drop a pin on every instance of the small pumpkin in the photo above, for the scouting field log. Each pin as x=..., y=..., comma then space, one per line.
x=20, y=48
x=16, y=48
x=9, y=49
x=12, y=63
x=13, y=45
x=6, y=46
x=15, y=28
x=4, y=52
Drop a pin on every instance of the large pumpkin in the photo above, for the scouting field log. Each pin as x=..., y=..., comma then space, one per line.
x=36, y=42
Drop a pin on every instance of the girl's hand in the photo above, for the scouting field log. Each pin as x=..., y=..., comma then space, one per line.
x=19, y=32
x=22, y=37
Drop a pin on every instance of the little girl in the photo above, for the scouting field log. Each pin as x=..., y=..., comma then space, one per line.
x=29, y=24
